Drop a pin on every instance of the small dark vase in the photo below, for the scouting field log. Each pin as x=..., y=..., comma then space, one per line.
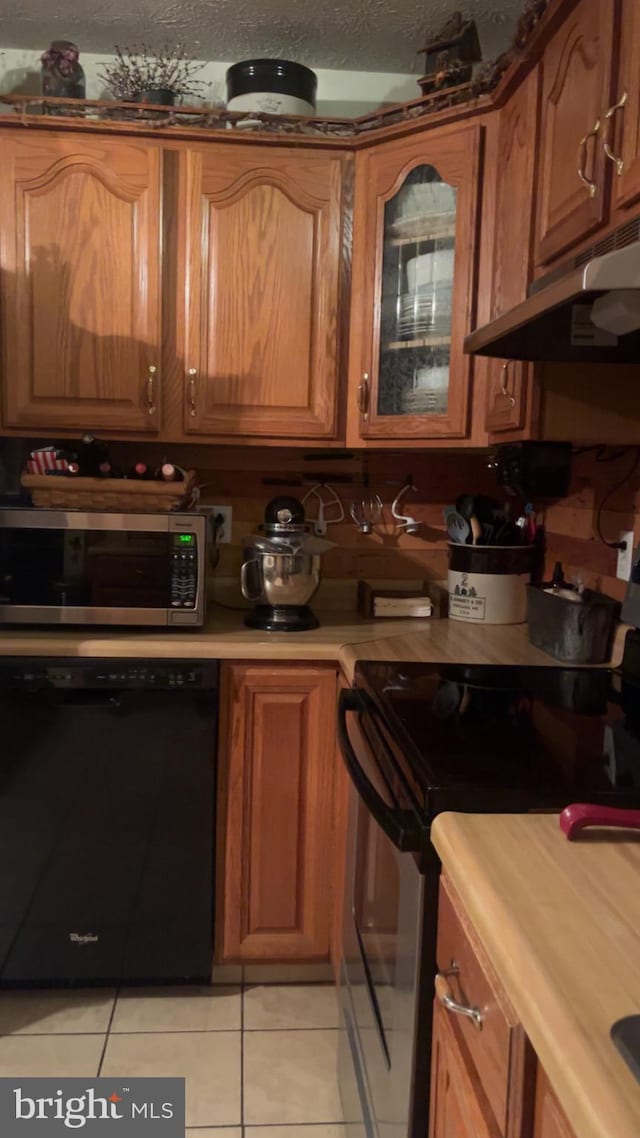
x=161, y=96
x=61, y=75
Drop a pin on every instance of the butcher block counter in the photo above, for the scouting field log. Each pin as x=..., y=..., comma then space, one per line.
x=343, y=637
x=560, y=923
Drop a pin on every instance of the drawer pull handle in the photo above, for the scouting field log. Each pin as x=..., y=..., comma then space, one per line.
x=582, y=159
x=193, y=410
x=150, y=389
x=503, y=383
x=363, y=396
x=443, y=993
x=609, y=119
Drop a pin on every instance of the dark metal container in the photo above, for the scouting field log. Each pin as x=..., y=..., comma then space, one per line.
x=577, y=633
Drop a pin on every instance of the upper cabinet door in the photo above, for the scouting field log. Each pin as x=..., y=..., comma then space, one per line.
x=509, y=395
x=622, y=121
x=80, y=257
x=574, y=171
x=262, y=273
x=414, y=272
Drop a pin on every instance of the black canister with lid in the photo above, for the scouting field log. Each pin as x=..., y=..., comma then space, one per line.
x=271, y=86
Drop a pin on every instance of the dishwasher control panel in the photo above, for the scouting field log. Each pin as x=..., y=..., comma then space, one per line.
x=24, y=672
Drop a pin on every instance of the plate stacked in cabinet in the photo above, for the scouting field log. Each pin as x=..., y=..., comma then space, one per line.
x=417, y=281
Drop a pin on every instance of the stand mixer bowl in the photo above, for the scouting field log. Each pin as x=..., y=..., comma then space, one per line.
x=279, y=578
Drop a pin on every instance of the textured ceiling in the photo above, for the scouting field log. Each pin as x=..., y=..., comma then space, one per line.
x=359, y=35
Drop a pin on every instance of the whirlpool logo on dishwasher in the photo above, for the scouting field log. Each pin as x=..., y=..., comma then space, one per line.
x=130, y=1108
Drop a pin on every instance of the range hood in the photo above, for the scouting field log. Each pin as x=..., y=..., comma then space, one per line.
x=590, y=314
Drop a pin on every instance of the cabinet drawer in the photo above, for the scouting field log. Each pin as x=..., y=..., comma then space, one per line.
x=498, y=1046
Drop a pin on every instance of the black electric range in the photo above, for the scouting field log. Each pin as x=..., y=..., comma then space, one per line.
x=418, y=739
x=500, y=737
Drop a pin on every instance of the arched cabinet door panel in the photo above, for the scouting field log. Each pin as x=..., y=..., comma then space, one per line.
x=80, y=287
x=414, y=302
x=261, y=266
x=576, y=92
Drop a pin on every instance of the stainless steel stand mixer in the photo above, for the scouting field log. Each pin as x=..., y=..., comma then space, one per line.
x=281, y=569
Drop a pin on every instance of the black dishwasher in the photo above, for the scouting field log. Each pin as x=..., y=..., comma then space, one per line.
x=107, y=789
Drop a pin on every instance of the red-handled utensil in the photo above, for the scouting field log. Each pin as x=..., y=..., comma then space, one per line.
x=581, y=814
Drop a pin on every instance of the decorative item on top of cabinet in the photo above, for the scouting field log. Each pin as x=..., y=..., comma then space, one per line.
x=80, y=286
x=275, y=811
x=621, y=129
x=415, y=234
x=260, y=271
x=510, y=394
x=61, y=74
x=574, y=170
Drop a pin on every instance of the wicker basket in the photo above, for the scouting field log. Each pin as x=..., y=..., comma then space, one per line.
x=105, y=493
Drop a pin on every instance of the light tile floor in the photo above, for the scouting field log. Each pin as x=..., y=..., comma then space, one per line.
x=259, y=1059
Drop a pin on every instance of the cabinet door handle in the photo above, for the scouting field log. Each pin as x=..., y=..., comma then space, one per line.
x=582, y=159
x=609, y=118
x=363, y=396
x=151, y=376
x=443, y=993
x=193, y=410
x=503, y=383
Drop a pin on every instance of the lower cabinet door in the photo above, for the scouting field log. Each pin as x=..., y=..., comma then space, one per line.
x=275, y=812
x=550, y=1119
x=459, y=1106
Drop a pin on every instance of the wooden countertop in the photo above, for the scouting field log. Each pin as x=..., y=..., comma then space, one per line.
x=343, y=637
x=560, y=922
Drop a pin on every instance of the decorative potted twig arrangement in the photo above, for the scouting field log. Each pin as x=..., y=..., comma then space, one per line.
x=142, y=75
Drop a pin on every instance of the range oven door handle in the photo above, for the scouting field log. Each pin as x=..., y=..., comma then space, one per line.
x=399, y=825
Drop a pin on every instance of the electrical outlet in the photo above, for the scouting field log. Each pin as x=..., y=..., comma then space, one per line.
x=224, y=533
x=625, y=556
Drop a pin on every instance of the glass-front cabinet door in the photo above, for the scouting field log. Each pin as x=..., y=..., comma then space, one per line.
x=418, y=234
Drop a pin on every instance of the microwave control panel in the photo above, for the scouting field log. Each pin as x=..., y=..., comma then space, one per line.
x=184, y=570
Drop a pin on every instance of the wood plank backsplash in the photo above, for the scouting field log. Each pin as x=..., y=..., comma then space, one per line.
x=244, y=479
x=571, y=523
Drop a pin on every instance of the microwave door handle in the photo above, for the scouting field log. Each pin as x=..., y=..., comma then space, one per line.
x=396, y=824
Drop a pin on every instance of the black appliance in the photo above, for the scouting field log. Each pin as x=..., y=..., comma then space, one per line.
x=107, y=789
x=418, y=739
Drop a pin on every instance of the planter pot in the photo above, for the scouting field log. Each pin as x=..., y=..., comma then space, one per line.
x=271, y=86
x=160, y=96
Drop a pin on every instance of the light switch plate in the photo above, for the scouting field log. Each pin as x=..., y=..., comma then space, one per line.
x=625, y=556
x=224, y=533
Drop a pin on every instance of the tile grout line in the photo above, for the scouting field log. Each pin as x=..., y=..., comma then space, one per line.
x=108, y=1031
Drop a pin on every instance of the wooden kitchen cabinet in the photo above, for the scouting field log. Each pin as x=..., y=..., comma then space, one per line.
x=80, y=286
x=550, y=1121
x=459, y=1107
x=492, y=1047
x=577, y=78
x=275, y=812
x=621, y=128
x=261, y=261
x=486, y=1081
x=512, y=397
x=341, y=786
x=413, y=300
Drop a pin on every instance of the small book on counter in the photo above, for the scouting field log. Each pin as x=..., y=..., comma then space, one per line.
x=375, y=602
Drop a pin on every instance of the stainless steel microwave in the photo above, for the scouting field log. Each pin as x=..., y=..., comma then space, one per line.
x=86, y=567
